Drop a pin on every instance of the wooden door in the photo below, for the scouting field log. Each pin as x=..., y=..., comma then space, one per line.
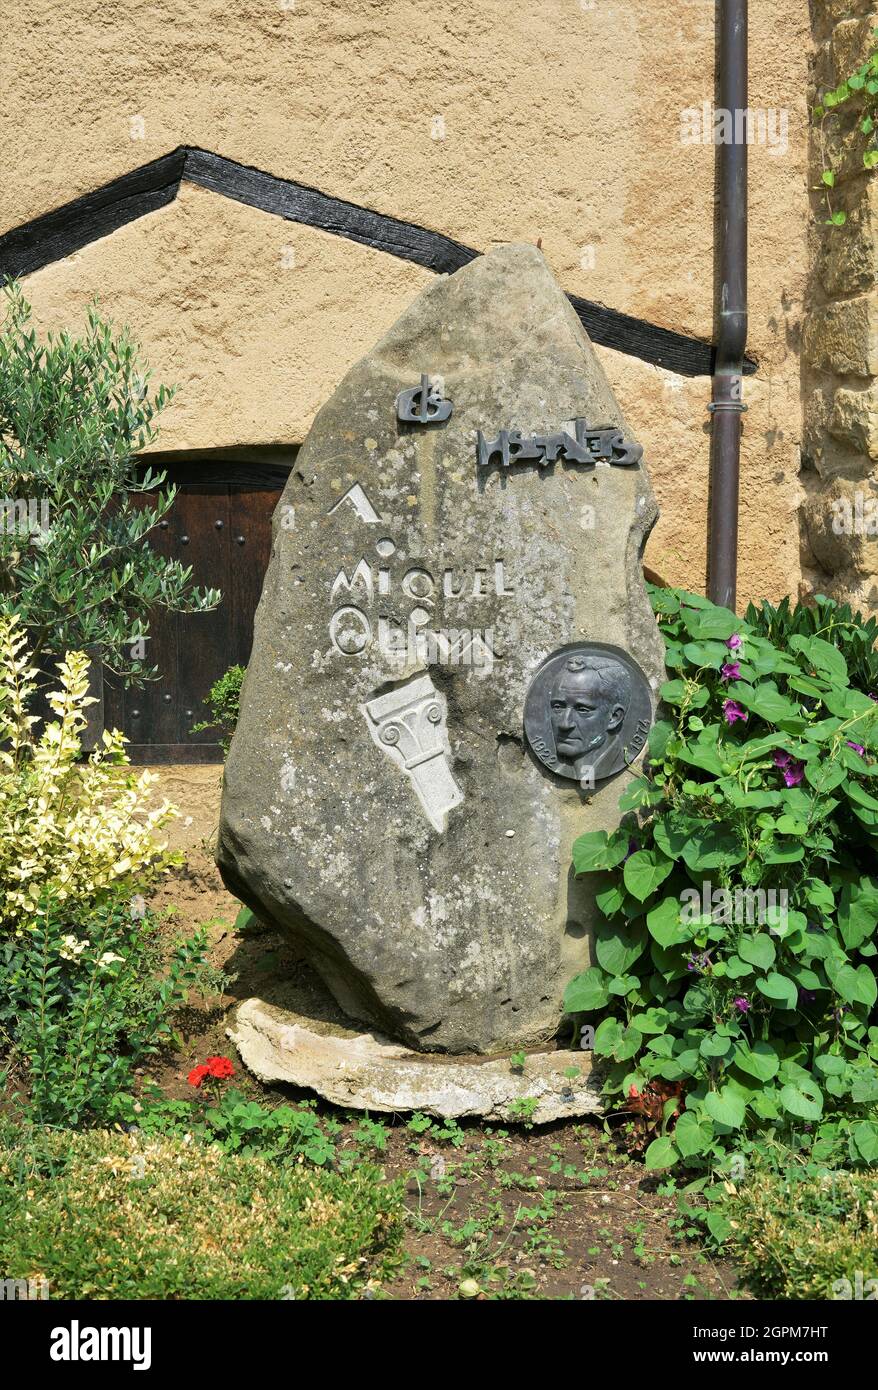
x=221, y=526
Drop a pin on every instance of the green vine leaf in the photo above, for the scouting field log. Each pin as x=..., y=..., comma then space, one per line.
x=644, y=871
x=736, y=964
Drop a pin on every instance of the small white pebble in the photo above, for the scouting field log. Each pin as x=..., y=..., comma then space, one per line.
x=509, y=834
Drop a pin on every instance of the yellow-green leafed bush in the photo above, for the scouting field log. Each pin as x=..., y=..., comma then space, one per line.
x=106, y=1215
x=68, y=831
x=798, y=1236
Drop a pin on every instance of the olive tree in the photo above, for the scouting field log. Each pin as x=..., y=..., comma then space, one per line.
x=76, y=565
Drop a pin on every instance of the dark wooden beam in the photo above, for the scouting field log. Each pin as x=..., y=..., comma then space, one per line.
x=296, y=202
x=48, y=238
x=67, y=229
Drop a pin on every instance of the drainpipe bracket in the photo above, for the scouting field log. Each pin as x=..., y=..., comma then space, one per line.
x=737, y=407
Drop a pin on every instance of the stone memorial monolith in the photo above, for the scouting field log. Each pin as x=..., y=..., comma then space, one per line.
x=454, y=663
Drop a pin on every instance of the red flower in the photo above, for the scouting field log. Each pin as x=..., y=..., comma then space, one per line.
x=220, y=1067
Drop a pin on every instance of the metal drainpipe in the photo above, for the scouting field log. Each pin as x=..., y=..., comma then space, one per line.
x=727, y=404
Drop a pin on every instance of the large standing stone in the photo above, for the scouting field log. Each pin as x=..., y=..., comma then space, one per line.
x=381, y=800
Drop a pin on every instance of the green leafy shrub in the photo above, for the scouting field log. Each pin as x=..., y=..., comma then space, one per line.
x=799, y=1237
x=224, y=699
x=735, y=956
x=84, y=991
x=85, y=997
x=853, y=634
x=71, y=832
x=74, y=415
x=109, y=1215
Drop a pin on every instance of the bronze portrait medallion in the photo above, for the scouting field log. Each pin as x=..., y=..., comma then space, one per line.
x=588, y=711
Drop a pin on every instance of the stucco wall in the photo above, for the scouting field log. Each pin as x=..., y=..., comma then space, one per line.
x=560, y=120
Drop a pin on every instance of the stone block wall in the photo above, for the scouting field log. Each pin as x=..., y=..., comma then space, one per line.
x=840, y=341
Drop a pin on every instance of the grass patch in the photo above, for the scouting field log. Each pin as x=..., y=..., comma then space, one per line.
x=795, y=1236
x=110, y=1215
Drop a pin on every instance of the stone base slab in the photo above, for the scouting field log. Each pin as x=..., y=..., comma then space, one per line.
x=364, y=1071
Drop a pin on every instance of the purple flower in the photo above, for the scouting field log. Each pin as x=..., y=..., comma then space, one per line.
x=632, y=847
x=741, y=1004
x=732, y=711
x=700, y=962
x=731, y=671
x=857, y=747
x=734, y=642
x=793, y=770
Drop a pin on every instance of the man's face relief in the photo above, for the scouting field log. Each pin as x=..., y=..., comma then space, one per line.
x=583, y=713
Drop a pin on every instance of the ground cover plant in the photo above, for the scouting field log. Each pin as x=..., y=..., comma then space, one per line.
x=734, y=988
x=104, y=1214
x=236, y=1123
x=798, y=1236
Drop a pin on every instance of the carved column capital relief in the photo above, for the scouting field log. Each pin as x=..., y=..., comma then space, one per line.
x=409, y=725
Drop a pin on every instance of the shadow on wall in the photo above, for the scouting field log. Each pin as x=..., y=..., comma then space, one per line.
x=652, y=578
